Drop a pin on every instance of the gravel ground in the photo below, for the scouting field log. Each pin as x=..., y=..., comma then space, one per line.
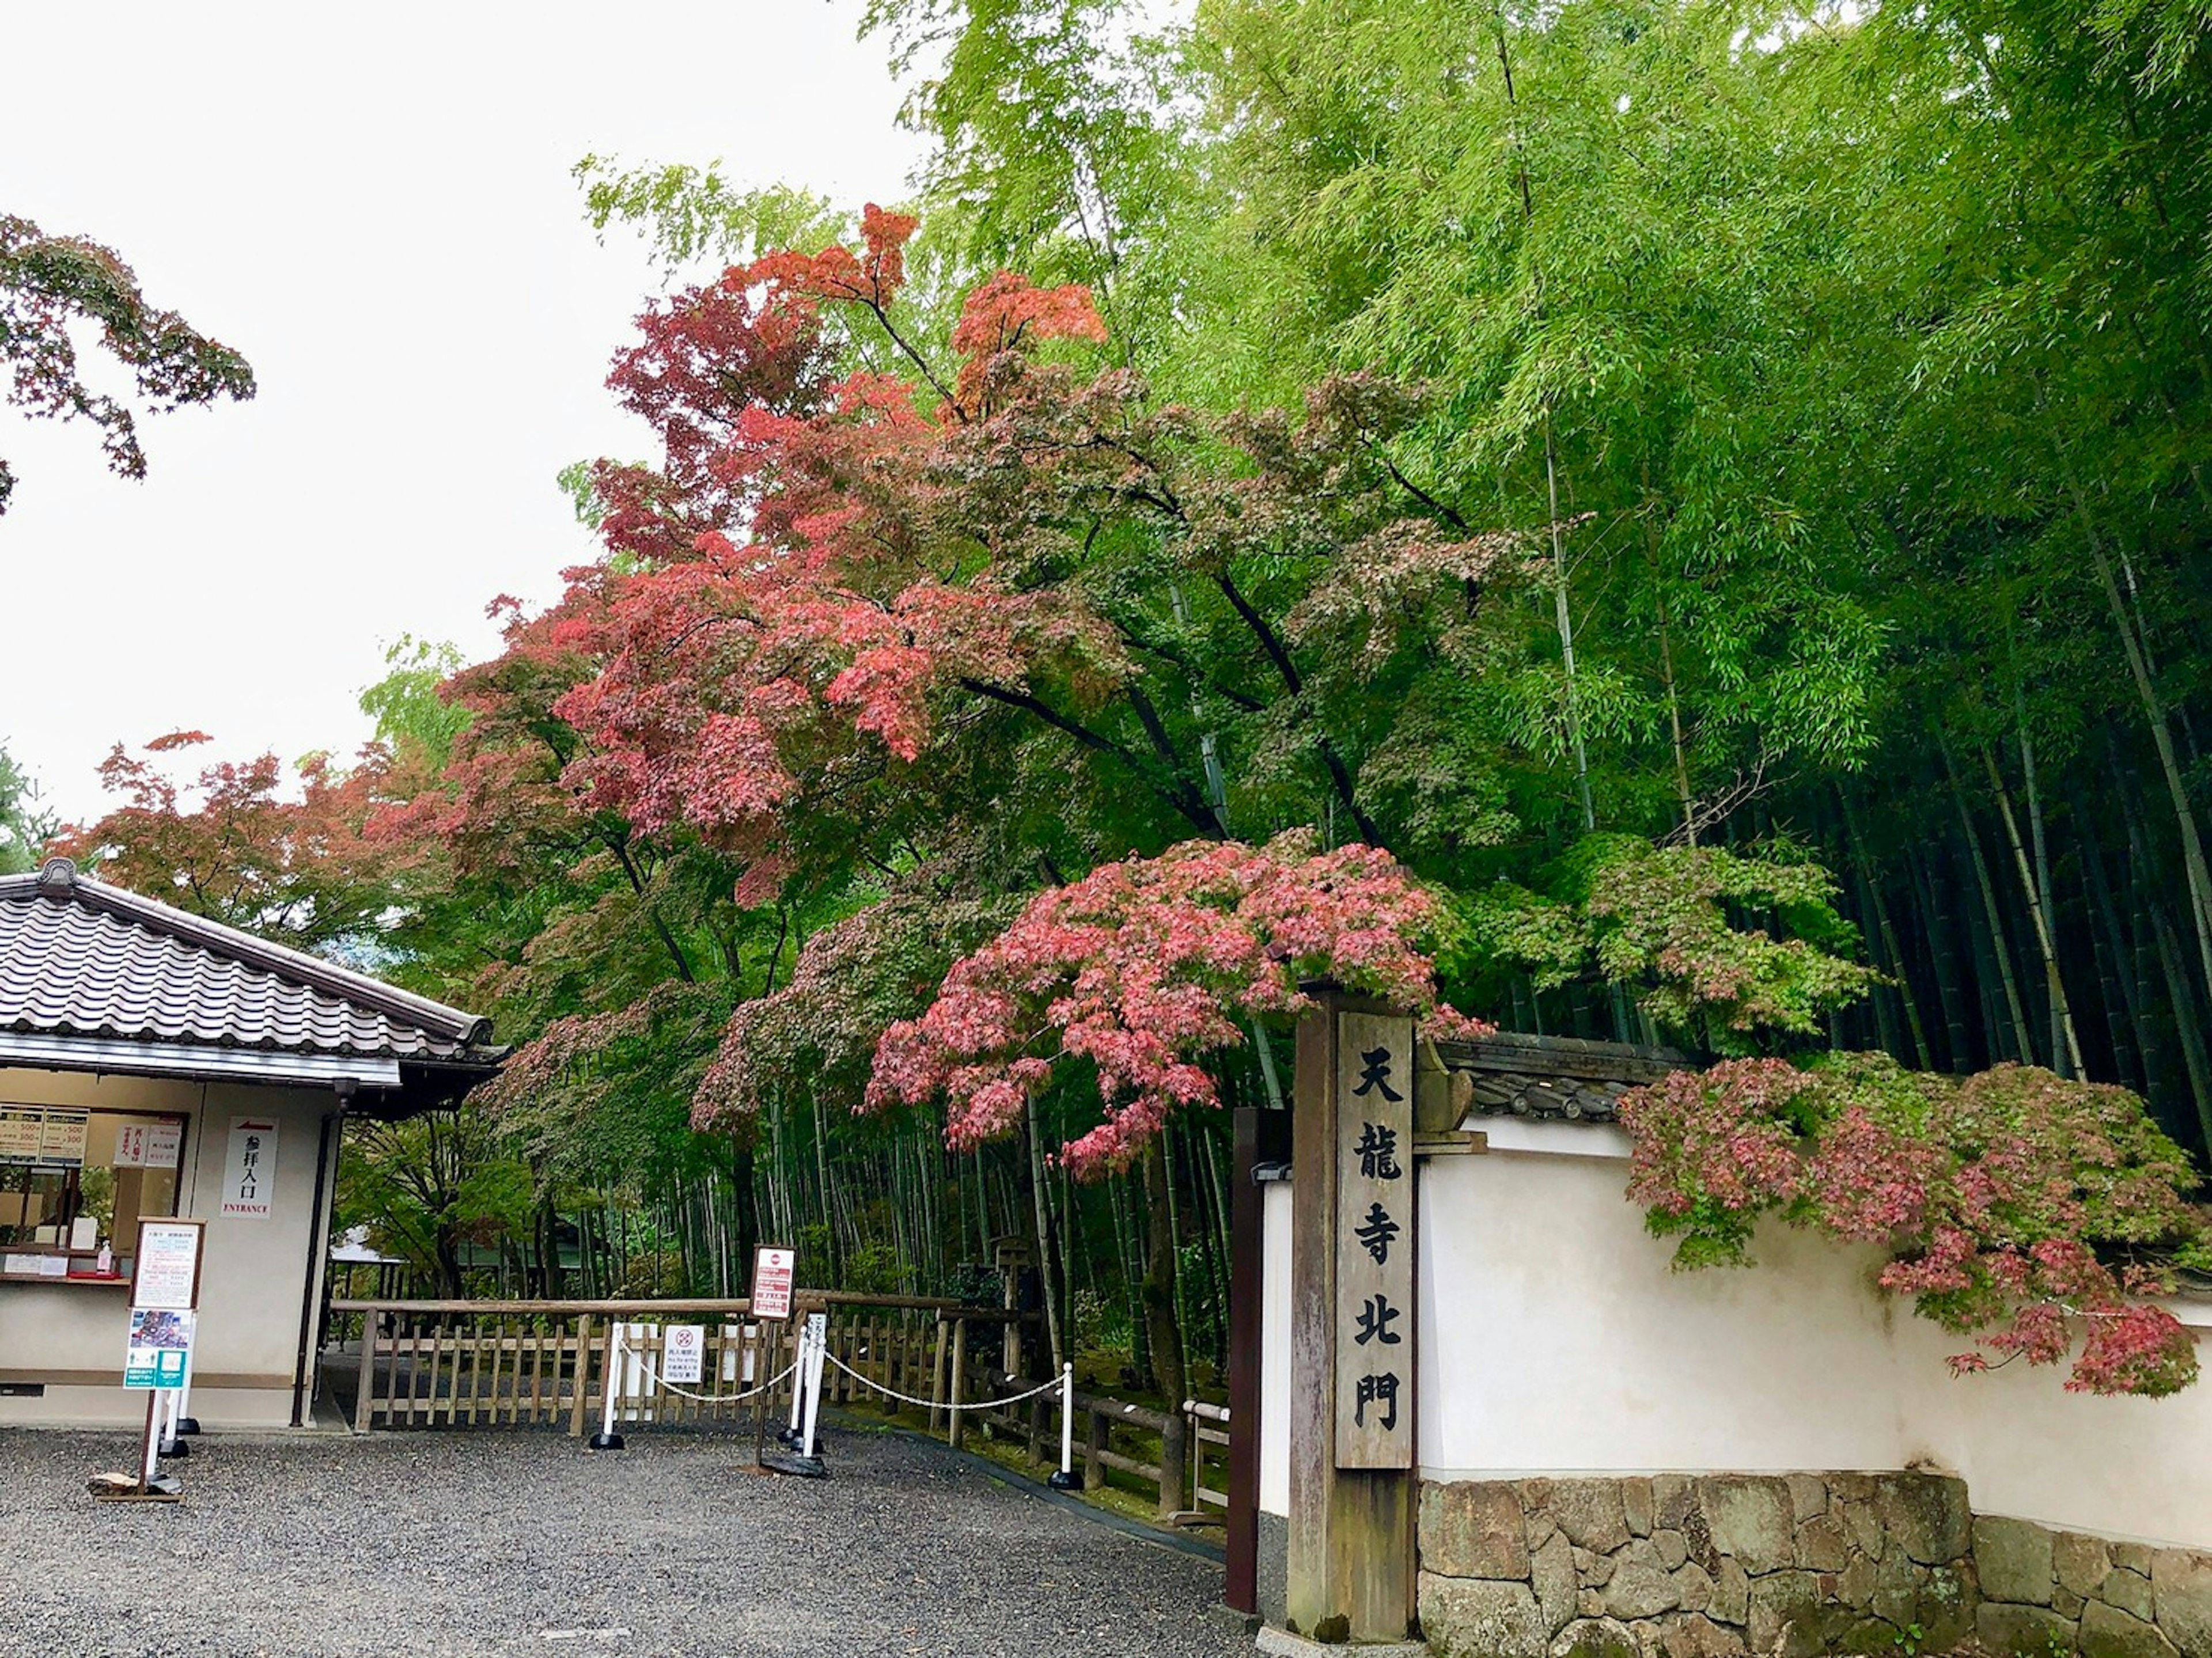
x=496, y=1542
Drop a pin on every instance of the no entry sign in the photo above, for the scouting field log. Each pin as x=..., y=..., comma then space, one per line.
x=772, y=1274
x=682, y=1349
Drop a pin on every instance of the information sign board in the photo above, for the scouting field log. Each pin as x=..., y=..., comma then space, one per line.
x=773, y=1271
x=165, y=1145
x=167, y=1275
x=682, y=1351
x=161, y=1350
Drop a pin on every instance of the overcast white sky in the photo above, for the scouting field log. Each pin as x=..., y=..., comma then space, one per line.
x=374, y=205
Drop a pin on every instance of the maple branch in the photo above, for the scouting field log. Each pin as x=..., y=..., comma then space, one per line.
x=617, y=845
x=1178, y=793
x=1279, y=655
x=884, y=316
x=1451, y=515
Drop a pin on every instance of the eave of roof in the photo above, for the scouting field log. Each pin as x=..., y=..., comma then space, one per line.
x=95, y=965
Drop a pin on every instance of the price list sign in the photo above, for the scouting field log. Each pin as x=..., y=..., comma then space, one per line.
x=1375, y=1242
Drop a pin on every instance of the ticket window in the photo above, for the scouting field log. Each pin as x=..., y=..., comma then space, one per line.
x=72, y=1181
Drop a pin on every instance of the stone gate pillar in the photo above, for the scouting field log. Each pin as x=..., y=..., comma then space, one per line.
x=1352, y=1338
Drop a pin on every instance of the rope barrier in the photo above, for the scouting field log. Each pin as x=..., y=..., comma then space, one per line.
x=713, y=1399
x=653, y=1380
x=939, y=1404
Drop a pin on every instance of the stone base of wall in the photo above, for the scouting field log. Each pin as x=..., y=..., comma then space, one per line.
x=1798, y=1565
x=2044, y=1591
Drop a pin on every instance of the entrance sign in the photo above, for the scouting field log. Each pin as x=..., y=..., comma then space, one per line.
x=683, y=1347
x=1375, y=1291
x=165, y=1277
x=249, y=1174
x=161, y=1350
x=773, y=1270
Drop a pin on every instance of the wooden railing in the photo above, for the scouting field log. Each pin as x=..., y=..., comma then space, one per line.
x=545, y=1363
x=449, y=1364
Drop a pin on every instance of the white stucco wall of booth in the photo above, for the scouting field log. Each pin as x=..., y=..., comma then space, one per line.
x=1556, y=1339
x=70, y=1338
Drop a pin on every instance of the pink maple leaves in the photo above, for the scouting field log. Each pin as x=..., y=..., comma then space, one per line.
x=1145, y=967
x=2017, y=1207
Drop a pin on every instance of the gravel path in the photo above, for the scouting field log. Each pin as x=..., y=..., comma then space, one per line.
x=497, y=1542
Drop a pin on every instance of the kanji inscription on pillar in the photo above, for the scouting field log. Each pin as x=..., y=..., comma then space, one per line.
x=1375, y=1242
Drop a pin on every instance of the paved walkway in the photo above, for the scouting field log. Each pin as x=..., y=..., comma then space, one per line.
x=479, y=1541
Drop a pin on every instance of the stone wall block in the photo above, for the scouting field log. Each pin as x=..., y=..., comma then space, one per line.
x=2181, y=1595
x=1594, y=1637
x=1593, y=1570
x=1673, y=1496
x=1638, y=1503
x=1590, y=1512
x=1949, y=1597
x=1862, y=1519
x=1473, y=1618
x=1640, y=1591
x=1855, y=1584
x=2108, y=1632
x=2079, y=1562
x=1693, y=1588
x=1540, y=1529
x=1672, y=1548
x=1731, y=1592
x=1695, y=1636
x=1749, y=1517
x=1473, y=1529
x=2133, y=1557
x=1823, y=1544
x=1926, y=1515
x=1808, y=1496
x=2014, y=1557
x=1786, y=1615
x=2124, y=1589
x=1552, y=1567
x=2026, y=1631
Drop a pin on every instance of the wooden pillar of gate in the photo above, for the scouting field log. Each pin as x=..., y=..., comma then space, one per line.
x=1352, y=1567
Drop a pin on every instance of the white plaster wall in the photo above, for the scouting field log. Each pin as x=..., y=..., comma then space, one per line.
x=253, y=1275
x=1555, y=1339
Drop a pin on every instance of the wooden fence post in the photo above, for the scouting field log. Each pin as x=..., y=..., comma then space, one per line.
x=580, y=1412
x=956, y=1429
x=366, y=1385
x=1094, y=1444
x=1173, y=1431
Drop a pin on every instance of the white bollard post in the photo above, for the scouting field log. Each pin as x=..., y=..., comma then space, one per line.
x=801, y=1361
x=186, y=1423
x=820, y=1343
x=172, y=1409
x=1065, y=1480
x=606, y=1439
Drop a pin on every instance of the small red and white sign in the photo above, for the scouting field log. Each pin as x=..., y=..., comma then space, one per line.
x=683, y=1352
x=773, y=1270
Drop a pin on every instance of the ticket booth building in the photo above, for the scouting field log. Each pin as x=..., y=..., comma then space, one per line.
x=154, y=1064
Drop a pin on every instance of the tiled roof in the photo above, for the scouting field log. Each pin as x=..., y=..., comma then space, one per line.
x=1516, y=1074
x=79, y=957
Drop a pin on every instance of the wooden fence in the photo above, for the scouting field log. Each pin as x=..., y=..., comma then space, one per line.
x=545, y=1363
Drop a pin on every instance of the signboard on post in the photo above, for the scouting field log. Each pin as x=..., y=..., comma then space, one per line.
x=774, y=1270
x=166, y=1276
x=682, y=1348
x=1375, y=1291
x=249, y=1173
